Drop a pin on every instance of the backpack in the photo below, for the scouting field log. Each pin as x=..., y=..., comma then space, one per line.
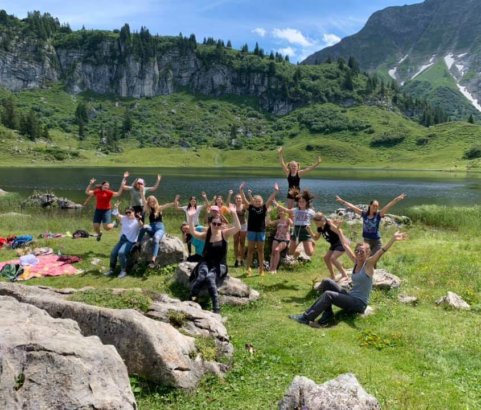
x=80, y=233
x=21, y=241
x=11, y=271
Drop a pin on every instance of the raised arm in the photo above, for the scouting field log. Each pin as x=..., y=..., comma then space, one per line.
x=243, y=196
x=175, y=203
x=290, y=211
x=310, y=168
x=314, y=235
x=122, y=184
x=272, y=196
x=235, y=219
x=127, y=187
x=157, y=183
x=204, y=197
x=116, y=213
x=229, y=196
x=349, y=205
x=389, y=205
x=372, y=260
x=346, y=246
x=89, y=191
x=284, y=166
x=199, y=235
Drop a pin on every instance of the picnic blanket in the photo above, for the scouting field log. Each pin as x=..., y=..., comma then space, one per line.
x=48, y=265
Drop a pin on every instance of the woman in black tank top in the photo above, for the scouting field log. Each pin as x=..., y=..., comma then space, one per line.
x=293, y=173
x=213, y=266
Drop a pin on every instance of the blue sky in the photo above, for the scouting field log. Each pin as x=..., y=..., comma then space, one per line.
x=297, y=28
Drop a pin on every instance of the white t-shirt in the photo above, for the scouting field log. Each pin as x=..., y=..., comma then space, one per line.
x=130, y=228
x=195, y=219
x=302, y=217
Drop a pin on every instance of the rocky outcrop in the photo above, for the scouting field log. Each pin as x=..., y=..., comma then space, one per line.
x=408, y=300
x=46, y=363
x=49, y=200
x=454, y=301
x=150, y=348
x=343, y=392
x=232, y=291
x=171, y=251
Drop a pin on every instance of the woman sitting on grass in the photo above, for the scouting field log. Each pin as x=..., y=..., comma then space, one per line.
x=357, y=299
x=256, y=226
x=156, y=227
x=329, y=231
x=371, y=219
x=294, y=172
x=103, y=212
x=213, y=266
x=131, y=224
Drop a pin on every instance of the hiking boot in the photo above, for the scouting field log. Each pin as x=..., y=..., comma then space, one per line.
x=216, y=310
x=110, y=272
x=299, y=319
x=99, y=236
x=122, y=274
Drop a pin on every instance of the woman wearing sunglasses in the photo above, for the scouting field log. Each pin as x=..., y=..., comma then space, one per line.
x=136, y=193
x=357, y=299
x=213, y=266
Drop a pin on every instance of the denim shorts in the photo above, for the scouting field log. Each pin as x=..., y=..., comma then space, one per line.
x=256, y=236
x=103, y=216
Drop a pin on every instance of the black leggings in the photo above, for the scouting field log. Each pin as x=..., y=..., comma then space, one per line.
x=209, y=277
x=333, y=294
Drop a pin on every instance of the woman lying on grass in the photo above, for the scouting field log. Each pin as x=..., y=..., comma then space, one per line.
x=371, y=219
x=357, y=299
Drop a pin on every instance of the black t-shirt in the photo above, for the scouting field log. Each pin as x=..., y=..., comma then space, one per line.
x=257, y=218
x=154, y=219
x=328, y=234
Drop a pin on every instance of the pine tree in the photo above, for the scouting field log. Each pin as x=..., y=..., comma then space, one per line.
x=9, y=114
x=229, y=44
x=353, y=65
x=471, y=119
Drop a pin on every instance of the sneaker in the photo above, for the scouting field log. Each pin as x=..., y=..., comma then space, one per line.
x=151, y=265
x=299, y=318
x=99, y=236
x=109, y=273
x=122, y=274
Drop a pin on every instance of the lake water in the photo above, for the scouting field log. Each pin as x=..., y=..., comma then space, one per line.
x=357, y=186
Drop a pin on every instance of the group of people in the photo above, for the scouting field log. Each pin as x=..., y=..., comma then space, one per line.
x=247, y=219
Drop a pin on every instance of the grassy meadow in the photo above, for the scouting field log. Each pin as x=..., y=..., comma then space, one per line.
x=409, y=357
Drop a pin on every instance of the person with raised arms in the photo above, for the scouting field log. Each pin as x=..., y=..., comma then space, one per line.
x=156, y=226
x=103, y=207
x=357, y=299
x=294, y=173
x=256, y=226
x=192, y=204
x=239, y=237
x=371, y=219
x=213, y=266
x=135, y=189
x=329, y=231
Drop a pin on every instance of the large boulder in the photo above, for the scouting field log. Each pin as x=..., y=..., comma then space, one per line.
x=189, y=318
x=172, y=251
x=49, y=200
x=46, y=363
x=232, y=291
x=152, y=349
x=454, y=301
x=343, y=392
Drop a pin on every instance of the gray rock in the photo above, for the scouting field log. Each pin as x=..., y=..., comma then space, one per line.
x=408, y=300
x=232, y=291
x=341, y=393
x=454, y=301
x=382, y=279
x=2, y=192
x=46, y=363
x=172, y=251
x=192, y=320
x=151, y=349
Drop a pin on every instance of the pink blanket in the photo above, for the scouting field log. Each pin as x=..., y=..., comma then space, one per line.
x=47, y=266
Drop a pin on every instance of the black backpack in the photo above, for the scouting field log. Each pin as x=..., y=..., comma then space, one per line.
x=80, y=233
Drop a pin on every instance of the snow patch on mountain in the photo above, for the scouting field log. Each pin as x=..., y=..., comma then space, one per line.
x=392, y=72
x=469, y=96
x=449, y=60
x=424, y=67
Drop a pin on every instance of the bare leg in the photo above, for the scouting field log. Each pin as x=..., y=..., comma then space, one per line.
x=236, y=246
x=250, y=251
x=97, y=228
x=328, y=262
x=308, y=248
x=292, y=247
x=108, y=227
x=277, y=248
x=260, y=256
x=242, y=245
x=334, y=260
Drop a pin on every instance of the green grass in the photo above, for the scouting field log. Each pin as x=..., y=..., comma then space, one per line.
x=130, y=299
x=408, y=357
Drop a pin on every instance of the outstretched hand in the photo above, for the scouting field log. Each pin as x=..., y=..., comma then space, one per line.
x=400, y=236
x=126, y=174
x=230, y=192
x=339, y=199
x=159, y=177
x=232, y=209
x=177, y=198
x=117, y=204
x=203, y=195
x=402, y=196
x=280, y=150
x=276, y=187
x=241, y=186
x=92, y=181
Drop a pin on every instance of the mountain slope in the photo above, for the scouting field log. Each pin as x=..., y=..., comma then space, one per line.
x=403, y=42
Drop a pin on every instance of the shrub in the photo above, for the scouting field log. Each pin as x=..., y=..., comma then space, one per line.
x=387, y=141
x=473, y=152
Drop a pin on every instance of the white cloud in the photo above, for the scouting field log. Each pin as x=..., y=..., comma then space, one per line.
x=293, y=36
x=287, y=51
x=260, y=31
x=330, y=39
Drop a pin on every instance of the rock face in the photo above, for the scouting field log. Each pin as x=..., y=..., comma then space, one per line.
x=172, y=251
x=232, y=291
x=190, y=319
x=46, y=363
x=150, y=348
x=454, y=301
x=341, y=393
